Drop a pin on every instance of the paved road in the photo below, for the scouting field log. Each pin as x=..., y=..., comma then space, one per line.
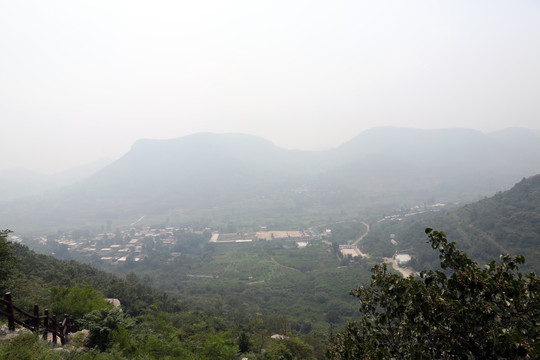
x=133, y=223
x=392, y=261
x=355, y=243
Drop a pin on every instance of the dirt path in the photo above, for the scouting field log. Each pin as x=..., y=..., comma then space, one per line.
x=286, y=267
x=395, y=266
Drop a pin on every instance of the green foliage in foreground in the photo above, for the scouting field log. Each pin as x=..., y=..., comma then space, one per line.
x=77, y=301
x=102, y=324
x=27, y=346
x=115, y=335
x=7, y=260
x=464, y=311
x=151, y=325
x=147, y=345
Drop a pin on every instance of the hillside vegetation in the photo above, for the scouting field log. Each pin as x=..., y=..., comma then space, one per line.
x=152, y=325
x=234, y=296
x=467, y=310
x=506, y=223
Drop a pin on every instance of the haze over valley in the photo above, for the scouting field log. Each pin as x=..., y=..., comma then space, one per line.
x=230, y=173
x=216, y=176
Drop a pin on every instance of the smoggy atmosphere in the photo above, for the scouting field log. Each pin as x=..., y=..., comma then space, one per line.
x=83, y=80
x=269, y=180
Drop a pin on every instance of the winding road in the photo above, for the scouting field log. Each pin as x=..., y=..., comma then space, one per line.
x=392, y=261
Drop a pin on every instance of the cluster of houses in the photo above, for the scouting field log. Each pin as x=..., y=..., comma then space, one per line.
x=133, y=244
x=118, y=247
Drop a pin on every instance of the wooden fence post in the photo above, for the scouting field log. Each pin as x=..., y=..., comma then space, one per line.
x=54, y=324
x=71, y=324
x=9, y=310
x=64, y=330
x=46, y=324
x=61, y=330
x=36, y=318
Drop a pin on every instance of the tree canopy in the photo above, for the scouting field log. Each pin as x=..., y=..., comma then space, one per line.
x=464, y=310
x=7, y=260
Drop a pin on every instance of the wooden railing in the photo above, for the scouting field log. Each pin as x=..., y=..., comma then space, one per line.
x=59, y=330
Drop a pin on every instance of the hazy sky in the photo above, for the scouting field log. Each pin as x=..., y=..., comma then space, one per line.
x=81, y=80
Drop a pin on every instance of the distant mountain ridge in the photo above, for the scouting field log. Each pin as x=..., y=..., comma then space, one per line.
x=16, y=183
x=200, y=165
x=381, y=166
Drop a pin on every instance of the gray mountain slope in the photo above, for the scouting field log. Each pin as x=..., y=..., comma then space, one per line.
x=381, y=166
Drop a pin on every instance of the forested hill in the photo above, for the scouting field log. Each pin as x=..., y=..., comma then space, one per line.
x=508, y=222
x=150, y=325
x=37, y=274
